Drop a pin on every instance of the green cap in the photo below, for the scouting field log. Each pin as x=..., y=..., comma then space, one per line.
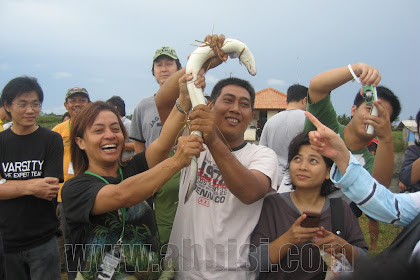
x=74, y=90
x=165, y=51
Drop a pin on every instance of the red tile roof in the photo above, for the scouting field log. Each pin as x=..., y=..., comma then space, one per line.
x=270, y=99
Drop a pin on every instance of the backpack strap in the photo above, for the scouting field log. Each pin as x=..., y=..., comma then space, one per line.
x=337, y=216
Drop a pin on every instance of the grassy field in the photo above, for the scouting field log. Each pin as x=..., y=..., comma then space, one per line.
x=387, y=234
x=399, y=145
x=49, y=121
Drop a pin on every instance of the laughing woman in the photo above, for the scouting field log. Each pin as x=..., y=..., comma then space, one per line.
x=112, y=230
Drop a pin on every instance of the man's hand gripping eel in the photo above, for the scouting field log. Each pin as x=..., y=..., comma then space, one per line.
x=234, y=48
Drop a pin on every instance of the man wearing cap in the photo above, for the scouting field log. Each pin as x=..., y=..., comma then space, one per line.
x=146, y=125
x=145, y=128
x=76, y=99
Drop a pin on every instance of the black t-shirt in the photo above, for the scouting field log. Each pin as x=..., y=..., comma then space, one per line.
x=27, y=221
x=91, y=237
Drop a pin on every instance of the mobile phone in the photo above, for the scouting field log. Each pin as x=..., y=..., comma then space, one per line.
x=312, y=219
x=370, y=95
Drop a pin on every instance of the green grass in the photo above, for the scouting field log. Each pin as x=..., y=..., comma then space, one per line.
x=387, y=234
x=399, y=146
x=49, y=121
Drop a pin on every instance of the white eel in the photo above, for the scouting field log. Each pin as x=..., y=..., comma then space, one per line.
x=234, y=48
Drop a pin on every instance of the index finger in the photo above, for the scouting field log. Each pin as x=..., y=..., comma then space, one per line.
x=313, y=120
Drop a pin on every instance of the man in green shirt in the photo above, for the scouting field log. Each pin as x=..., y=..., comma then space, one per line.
x=354, y=133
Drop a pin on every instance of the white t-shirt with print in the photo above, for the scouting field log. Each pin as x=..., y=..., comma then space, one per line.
x=212, y=230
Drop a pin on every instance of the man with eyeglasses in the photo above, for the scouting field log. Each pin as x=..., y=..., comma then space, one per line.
x=76, y=99
x=31, y=167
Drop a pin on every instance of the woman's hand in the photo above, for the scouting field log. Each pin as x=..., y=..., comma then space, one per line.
x=188, y=146
x=333, y=244
x=298, y=234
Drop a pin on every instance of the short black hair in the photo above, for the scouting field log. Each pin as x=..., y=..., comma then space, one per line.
x=384, y=94
x=18, y=86
x=302, y=139
x=217, y=89
x=296, y=93
x=178, y=63
x=119, y=103
x=66, y=114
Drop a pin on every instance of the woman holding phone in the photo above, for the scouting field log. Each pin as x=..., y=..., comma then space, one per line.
x=282, y=244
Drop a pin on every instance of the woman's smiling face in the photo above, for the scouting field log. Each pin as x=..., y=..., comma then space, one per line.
x=103, y=141
x=308, y=168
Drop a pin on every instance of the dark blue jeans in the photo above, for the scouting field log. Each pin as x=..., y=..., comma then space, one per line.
x=39, y=263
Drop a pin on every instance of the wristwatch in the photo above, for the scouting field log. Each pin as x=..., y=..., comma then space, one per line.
x=2, y=181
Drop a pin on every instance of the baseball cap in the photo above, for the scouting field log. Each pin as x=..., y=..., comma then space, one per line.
x=165, y=51
x=74, y=90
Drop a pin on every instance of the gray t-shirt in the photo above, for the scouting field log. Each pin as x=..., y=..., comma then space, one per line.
x=279, y=131
x=145, y=123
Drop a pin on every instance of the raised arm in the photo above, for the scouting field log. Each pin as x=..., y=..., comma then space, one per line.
x=358, y=185
x=173, y=127
x=373, y=198
x=168, y=93
x=322, y=84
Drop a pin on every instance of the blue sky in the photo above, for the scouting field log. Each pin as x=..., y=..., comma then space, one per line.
x=107, y=46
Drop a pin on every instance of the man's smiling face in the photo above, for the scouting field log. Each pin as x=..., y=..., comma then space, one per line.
x=233, y=113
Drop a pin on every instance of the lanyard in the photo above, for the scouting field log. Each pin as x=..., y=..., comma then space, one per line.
x=70, y=130
x=122, y=209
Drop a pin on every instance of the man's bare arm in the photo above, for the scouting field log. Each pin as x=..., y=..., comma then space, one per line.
x=45, y=188
x=322, y=84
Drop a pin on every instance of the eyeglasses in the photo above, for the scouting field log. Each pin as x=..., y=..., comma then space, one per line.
x=34, y=106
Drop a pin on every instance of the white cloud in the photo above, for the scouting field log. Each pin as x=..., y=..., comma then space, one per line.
x=276, y=82
x=62, y=75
